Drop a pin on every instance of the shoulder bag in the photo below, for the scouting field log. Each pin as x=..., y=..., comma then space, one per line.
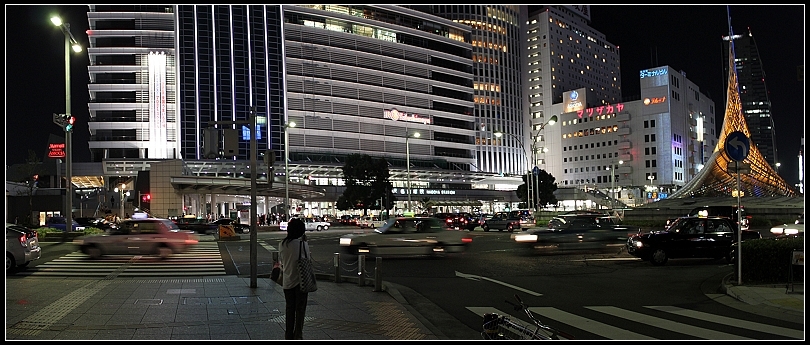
x=308, y=283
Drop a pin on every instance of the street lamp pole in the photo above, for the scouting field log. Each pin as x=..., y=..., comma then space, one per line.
x=651, y=178
x=613, y=182
x=289, y=125
x=69, y=41
x=408, y=164
x=530, y=159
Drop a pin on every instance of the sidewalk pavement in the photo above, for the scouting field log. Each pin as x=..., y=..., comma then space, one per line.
x=227, y=308
x=778, y=301
x=204, y=308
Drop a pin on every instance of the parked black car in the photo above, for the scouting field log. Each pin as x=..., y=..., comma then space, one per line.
x=501, y=221
x=238, y=227
x=688, y=237
x=462, y=221
x=198, y=225
x=729, y=212
x=578, y=232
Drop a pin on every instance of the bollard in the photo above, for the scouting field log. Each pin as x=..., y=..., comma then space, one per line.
x=361, y=266
x=378, y=275
x=275, y=256
x=336, y=263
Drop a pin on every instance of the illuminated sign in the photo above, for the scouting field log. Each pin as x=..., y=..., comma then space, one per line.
x=573, y=101
x=56, y=150
x=602, y=109
x=653, y=73
x=421, y=191
x=396, y=115
x=655, y=100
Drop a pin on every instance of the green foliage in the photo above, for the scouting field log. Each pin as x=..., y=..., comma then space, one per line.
x=44, y=230
x=544, y=195
x=367, y=181
x=93, y=231
x=768, y=261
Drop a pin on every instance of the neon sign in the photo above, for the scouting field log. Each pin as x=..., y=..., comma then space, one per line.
x=56, y=150
x=655, y=100
x=602, y=109
x=653, y=73
x=396, y=115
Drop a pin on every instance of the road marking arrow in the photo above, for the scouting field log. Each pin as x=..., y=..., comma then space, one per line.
x=477, y=278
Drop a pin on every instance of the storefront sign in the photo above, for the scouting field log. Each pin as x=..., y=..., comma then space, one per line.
x=397, y=115
x=655, y=100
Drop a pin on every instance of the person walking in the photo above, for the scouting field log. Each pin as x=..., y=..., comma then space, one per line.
x=296, y=300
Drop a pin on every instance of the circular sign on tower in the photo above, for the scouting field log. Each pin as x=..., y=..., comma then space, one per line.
x=737, y=146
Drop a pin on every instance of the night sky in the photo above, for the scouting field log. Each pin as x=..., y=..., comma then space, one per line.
x=686, y=38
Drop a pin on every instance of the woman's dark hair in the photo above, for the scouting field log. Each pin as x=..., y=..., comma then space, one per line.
x=295, y=229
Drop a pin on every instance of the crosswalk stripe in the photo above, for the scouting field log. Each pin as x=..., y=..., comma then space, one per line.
x=588, y=325
x=201, y=259
x=666, y=324
x=731, y=321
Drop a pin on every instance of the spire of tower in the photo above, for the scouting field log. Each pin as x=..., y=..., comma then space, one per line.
x=717, y=178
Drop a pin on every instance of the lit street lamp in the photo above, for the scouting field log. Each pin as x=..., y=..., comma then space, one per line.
x=289, y=124
x=121, y=193
x=613, y=182
x=408, y=164
x=529, y=159
x=69, y=41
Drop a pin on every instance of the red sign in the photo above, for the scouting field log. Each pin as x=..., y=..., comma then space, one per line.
x=602, y=109
x=56, y=150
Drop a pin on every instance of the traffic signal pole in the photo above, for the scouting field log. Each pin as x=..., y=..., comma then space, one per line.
x=68, y=146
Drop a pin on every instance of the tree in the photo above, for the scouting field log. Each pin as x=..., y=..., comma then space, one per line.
x=367, y=181
x=29, y=174
x=544, y=191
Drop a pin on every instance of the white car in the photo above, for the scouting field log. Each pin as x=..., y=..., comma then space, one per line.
x=22, y=247
x=313, y=224
x=787, y=229
x=370, y=222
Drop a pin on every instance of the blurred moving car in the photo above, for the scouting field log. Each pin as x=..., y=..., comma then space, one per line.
x=578, y=232
x=501, y=221
x=688, y=237
x=315, y=224
x=237, y=227
x=22, y=247
x=409, y=236
x=96, y=222
x=197, y=224
x=150, y=236
x=58, y=222
x=790, y=229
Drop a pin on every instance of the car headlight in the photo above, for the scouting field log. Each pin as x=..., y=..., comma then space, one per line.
x=777, y=231
x=345, y=242
x=638, y=244
x=791, y=231
x=525, y=238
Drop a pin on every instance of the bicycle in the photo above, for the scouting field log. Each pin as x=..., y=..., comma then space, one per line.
x=495, y=326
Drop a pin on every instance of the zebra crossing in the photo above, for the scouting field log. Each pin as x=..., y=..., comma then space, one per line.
x=203, y=259
x=701, y=325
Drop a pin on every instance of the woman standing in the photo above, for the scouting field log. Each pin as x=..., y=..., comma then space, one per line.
x=295, y=298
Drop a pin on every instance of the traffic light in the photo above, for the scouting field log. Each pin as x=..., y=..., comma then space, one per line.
x=146, y=197
x=65, y=121
x=70, y=121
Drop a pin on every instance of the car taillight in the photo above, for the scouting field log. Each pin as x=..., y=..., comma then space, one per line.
x=23, y=240
x=466, y=240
